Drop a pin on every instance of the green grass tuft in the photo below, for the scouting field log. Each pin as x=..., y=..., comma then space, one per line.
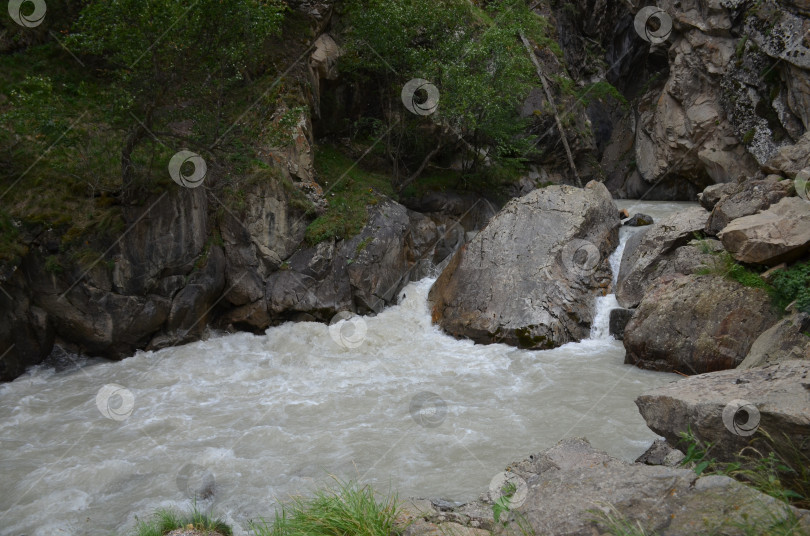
x=349, y=190
x=345, y=510
x=164, y=521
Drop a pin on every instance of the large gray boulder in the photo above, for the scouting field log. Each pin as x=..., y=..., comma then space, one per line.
x=531, y=276
x=657, y=251
x=695, y=324
x=568, y=489
x=779, y=234
x=787, y=339
x=361, y=274
x=726, y=408
x=750, y=198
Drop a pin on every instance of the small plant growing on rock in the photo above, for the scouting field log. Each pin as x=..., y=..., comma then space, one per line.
x=165, y=521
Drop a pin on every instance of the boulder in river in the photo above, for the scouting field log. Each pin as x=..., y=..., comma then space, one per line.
x=653, y=252
x=618, y=321
x=727, y=408
x=531, y=276
x=695, y=324
x=779, y=234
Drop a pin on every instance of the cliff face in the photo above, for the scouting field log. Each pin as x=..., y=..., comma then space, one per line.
x=717, y=101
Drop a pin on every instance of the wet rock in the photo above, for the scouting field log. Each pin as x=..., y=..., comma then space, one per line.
x=779, y=234
x=361, y=274
x=618, y=321
x=786, y=340
x=639, y=220
x=530, y=277
x=656, y=251
x=774, y=398
x=26, y=331
x=694, y=324
x=751, y=197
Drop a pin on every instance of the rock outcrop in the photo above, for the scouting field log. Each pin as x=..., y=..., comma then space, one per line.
x=779, y=234
x=727, y=408
x=530, y=277
x=571, y=488
x=695, y=324
x=787, y=339
x=749, y=198
x=657, y=250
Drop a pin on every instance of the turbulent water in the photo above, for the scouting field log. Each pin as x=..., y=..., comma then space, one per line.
x=241, y=421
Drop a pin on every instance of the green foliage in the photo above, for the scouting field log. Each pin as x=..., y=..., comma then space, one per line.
x=10, y=247
x=775, y=466
x=349, y=190
x=165, y=48
x=748, y=137
x=348, y=509
x=598, y=91
x=793, y=284
x=165, y=521
x=472, y=55
x=503, y=503
x=724, y=264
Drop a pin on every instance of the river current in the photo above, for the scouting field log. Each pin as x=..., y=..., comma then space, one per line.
x=241, y=421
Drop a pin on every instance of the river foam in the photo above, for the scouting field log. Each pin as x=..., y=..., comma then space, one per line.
x=242, y=420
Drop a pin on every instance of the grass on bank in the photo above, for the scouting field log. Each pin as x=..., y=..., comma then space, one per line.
x=785, y=286
x=164, y=521
x=776, y=466
x=347, y=509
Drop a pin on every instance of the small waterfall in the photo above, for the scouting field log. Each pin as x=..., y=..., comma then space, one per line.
x=600, y=328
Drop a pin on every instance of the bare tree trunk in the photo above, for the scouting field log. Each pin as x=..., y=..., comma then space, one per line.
x=553, y=106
